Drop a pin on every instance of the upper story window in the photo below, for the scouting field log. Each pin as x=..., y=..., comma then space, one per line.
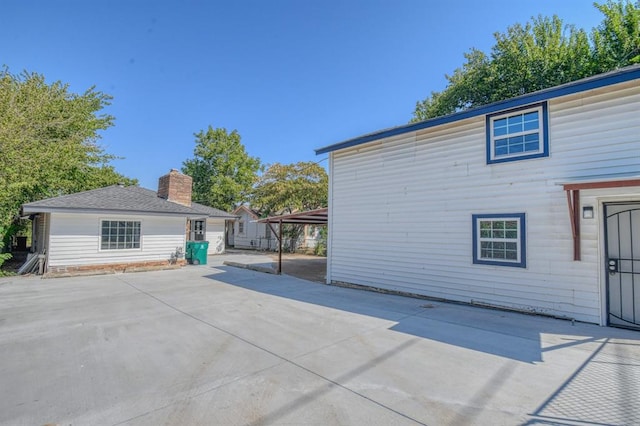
x=120, y=235
x=518, y=134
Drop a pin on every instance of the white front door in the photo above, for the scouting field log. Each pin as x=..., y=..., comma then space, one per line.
x=198, y=229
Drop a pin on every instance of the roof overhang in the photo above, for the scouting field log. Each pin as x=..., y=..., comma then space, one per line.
x=573, y=188
x=28, y=210
x=602, y=182
x=217, y=217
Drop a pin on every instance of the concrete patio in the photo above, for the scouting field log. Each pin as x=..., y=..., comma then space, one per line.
x=218, y=345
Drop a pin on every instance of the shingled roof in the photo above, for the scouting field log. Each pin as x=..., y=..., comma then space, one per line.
x=121, y=199
x=211, y=211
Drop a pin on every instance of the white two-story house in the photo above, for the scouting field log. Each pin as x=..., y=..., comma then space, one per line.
x=532, y=204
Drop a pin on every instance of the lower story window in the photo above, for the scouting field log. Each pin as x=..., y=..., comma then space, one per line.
x=120, y=235
x=499, y=239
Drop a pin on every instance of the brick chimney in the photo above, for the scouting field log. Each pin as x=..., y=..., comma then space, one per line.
x=175, y=187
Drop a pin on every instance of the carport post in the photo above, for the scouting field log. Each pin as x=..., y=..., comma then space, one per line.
x=280, y=248
x=279, y=238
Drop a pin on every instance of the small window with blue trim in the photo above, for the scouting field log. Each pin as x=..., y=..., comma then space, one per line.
x=499, y=239
x=518, y=134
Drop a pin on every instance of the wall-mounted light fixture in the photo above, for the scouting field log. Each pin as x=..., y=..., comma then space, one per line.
x=587, y=212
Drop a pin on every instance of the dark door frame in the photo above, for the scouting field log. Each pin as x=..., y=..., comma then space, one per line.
x=614, y=266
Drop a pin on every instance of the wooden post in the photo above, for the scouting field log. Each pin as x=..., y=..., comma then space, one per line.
x=573, y=200
x=576, y=221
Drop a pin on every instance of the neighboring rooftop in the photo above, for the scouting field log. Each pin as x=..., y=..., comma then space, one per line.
x=120, y=199
x=211, y=211
x=248, y=209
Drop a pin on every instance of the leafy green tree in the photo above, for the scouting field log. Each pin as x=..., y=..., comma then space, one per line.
x=616, y=41
x=222, y=171
x=290, y=187
x=321, y=245
x=49, y=142
x=542, y=53
x=468, y=86
x=285, y=188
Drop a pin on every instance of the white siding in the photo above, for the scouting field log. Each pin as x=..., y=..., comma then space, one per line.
x=254, y=235
x=401, y=207
x=215, y=236
x=75, y=239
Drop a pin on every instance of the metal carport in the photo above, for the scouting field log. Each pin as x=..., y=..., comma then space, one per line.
x=309, y=217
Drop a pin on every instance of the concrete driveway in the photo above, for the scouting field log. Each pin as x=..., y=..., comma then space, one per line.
x=306, y=267
x=217, y=345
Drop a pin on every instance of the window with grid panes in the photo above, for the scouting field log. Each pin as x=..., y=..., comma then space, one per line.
x=517, y=134
x=499, y=239
x=119, y=235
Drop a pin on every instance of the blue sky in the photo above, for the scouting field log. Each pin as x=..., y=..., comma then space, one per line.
x=289, y=75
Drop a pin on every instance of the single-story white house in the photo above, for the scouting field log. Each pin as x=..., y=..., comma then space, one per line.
x=531, y=203
x=123, y=227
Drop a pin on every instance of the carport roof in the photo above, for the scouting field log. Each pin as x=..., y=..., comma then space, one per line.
x=309, y=217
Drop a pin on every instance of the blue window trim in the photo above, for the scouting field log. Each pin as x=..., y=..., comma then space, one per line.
x=523, y=239
x=525, y=156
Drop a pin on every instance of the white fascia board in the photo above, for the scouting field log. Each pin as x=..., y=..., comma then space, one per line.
x=35, y=209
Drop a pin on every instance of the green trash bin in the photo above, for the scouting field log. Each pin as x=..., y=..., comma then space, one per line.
x=188, y=251
x=196, y=252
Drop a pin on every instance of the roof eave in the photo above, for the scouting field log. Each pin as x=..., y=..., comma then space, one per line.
x=223, y=217
x=589, y=83
x=26, y=209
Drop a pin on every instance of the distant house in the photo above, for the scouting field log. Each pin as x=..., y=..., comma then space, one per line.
x=310, y=237
x=123, y=228
x=532, y=204
x=246, y=233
